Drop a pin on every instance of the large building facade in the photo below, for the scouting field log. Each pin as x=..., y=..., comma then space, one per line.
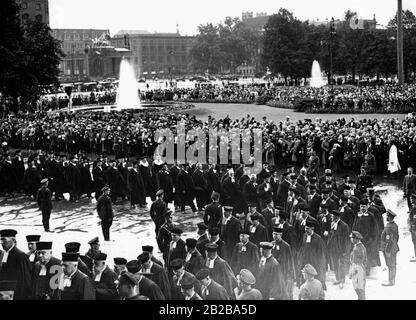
x=88, y=55
x=160, y=55
x=34, y=10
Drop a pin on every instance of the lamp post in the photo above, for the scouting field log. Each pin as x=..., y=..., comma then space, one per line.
x=400, y=62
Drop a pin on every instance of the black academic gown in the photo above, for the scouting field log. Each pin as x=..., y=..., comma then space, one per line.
x=270, y=281
x=105, y=288
x=41, y=283
x=81, y=288
x=223, y=274
x=245, y=257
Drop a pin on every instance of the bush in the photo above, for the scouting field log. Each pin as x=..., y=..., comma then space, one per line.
x=304, y=105
x=263, y=99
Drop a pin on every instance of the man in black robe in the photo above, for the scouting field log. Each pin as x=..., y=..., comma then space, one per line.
x=73, y=177
x=46, y=269
x=98, y=175
x=194, y=261
x=165, y=183
x=158, y=209
x=15, y=266
x=210, y=289
x=201, y=187
x=116, y=182
x=186, y=188
x=103, y=279
x=86, y=184
x=136, y=187
x=245, y=254
x=213, y=212
x=105, y=212
x=339, y=247
x=156, y=273
x=230, y=228
x=270, y=281
x=220, y=270
x=203, y=238
x=146, y=174
x=19, y=169
x=283, y=254
x=347, y=214
x=176, y=249
x=312, y=251
x=74, y=285
x=146, y=286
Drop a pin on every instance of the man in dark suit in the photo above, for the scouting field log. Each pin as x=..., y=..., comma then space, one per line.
x=75, y=285
x=186, y=188
x=177, y=249
x=73, y=177
x=98, y=175
x=104, y=279
x=213, y=212
x=43, y=271
x=105, y=212
x=210, y=289
x=178, y=274
x=250, y=190
x=409, y=186
x=258, y=232
x=15, y=266
x=156, y=273
x=314, y=201
x=202, y=238
x=347, y=214
x=157, y=210
x=194, y=260
x=245, y=254
x=268, y=214
x=201, y=187
x=146, y=286
x=283, y=190
x=230, y=228
x=44, y=200
x=214, y=237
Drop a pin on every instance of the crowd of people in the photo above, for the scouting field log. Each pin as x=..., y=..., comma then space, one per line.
x=260, y=235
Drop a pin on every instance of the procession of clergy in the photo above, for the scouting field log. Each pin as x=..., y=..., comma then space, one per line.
x=280, y=232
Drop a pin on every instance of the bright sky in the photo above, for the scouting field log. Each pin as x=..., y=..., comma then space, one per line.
x=163, y=15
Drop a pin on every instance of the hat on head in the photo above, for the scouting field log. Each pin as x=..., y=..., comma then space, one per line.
x=143, y=257
x=312, y=187
x=293, y=176
x=364, y=201
x=255, y=217
x=100, y=256
x=160, y=193
x=202, y=274
x=128, y=278
x=347, y=188
x=324, y=206
x=343, y=198
x=202, y=226
x=228, y=209
x=371, y=191
x=72, y=247
x=345, y=176
x=8, y=233
x=44, y=245
x=244, y=232
x=326, y=191
x=147, y=249
x=247, y=277
x=43, y=181
x=310, y=224
x=105, y=188
x=328, y=174
x=336, y=213
x=177, y=231
x=351, y=182
x=211, y=247
x=94, y=241
x=356, y=235
x=176, y=264
x=191, y=243
x=266, y=245
x=391, y=213
x=268, y=200
x=304, y=207
x=187, y=282
x=70, y=257
x=252, y=205
x=33, y=238
x=133, y=266
x=277, y=229
x=120, y=261
x=214, y=231
x=309, y=269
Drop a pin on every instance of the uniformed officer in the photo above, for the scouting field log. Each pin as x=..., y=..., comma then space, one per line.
x=94, y=247
x=389, y=246
x=44, y=200
x=105, y=212
x=244, y=291
x=358, y=260
x=312, y=288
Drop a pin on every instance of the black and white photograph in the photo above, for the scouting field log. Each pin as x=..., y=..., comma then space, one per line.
x=207, y=150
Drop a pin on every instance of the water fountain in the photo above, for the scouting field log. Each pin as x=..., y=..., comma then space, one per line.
x=317, y=80
x=127, y=93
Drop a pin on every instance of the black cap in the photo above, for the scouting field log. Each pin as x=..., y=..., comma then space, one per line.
x=72, y=247
x=70, y=257
x=100, y=256
x=128, y=278
x=176, y=264
x=214, y=231
x=133, y=266
x=202, y=274
x=277, y=229
x=211, y=247
x=191, y=243
x=177, y=231
x=94, y=241
x=336, y=213
x=310, y=224
x=120, y=261
x=33, y=238
x=8, y=233
x=44, y=245
x=364, y=201
x=147, y=249
x=143, y=257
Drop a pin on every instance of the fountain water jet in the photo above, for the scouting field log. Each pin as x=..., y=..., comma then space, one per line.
x=127, y=93
x=317, y=80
